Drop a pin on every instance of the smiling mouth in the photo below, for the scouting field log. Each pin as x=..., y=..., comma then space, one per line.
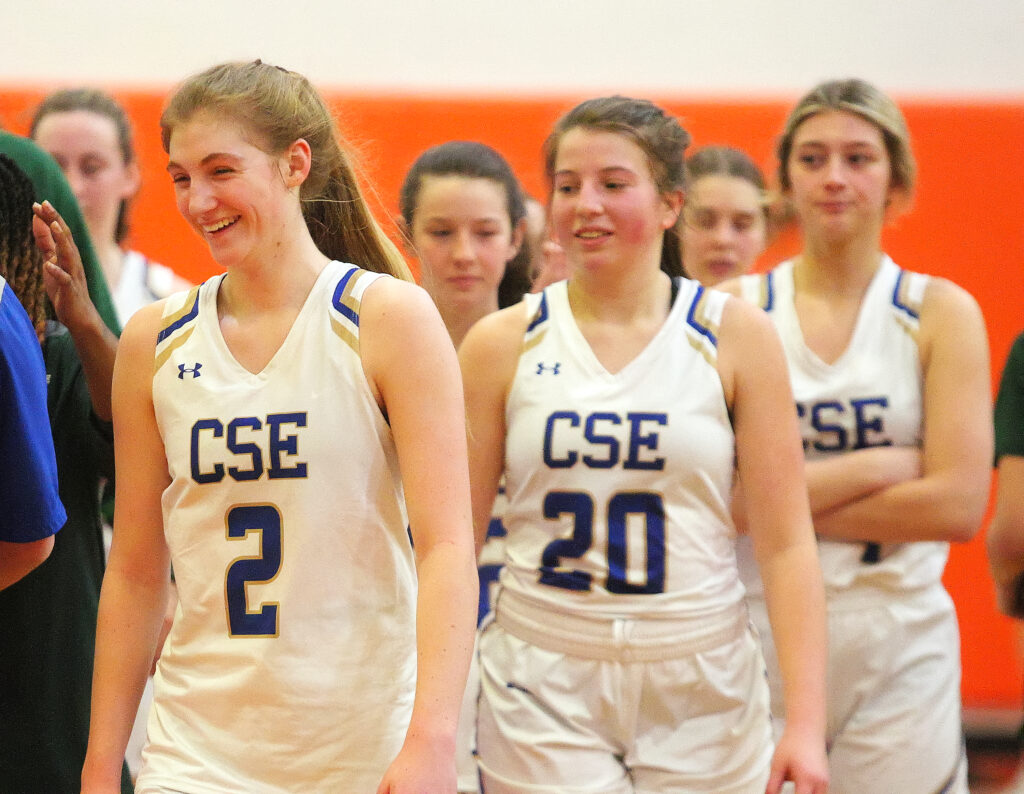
x=216, y=227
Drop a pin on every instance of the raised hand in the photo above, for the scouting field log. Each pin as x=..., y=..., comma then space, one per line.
x=63, y=274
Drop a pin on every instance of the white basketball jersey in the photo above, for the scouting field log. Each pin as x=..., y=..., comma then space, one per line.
x=870, y=396
x=291, y=662
x=619, y=484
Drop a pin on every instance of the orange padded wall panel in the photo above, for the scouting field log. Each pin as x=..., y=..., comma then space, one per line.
x=967, y=225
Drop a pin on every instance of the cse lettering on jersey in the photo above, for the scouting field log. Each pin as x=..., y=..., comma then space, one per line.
x=608, y=438
x=844, y=425
x=247, y=447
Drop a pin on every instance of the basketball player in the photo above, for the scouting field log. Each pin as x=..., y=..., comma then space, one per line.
x=271, y=444
x=620, y=658
x=882, y=362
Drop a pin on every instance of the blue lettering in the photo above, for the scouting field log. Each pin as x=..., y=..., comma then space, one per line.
x=549, y=431
x=289, y=445
x=819, y=421
x=831, y=422
x=610, y=441
x=253, y=450
x=600, y=446
x=254, y=445
x=637, y=440
x=217, y=473
x=873, y=424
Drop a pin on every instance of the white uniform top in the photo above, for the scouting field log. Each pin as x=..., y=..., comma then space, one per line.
x=618, y=485
x=870, y=396
x=290, y=665
x=141, y=282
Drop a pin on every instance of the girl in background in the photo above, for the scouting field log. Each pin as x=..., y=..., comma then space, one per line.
x=616, y=403
x=463, y=213
x=89, y=135
x=726, y=217
x=271, y=445
x=883, y=362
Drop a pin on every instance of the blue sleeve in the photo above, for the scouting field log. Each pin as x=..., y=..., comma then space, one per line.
x=31, y=508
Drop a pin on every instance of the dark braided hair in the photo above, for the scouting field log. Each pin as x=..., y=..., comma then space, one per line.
x=21, y=263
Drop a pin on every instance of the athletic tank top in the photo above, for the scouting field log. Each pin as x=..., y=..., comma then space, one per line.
x=618, y=485
x=870, y=396
x=291, y=662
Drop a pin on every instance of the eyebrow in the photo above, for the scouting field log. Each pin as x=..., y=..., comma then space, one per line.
x=603, y=171
x=212, y=156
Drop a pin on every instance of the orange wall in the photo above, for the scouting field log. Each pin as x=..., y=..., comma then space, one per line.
x=966, y=225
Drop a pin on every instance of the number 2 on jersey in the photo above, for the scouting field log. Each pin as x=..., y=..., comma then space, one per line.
x=242, y=520
x=648, y=506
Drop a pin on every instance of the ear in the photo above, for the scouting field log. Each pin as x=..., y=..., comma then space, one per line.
x=897, y=201
x=516, y=241
x=674, y=200
x=133, y=180
x=296, y=160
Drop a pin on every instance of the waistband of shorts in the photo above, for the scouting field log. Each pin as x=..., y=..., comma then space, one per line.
x=616, y=639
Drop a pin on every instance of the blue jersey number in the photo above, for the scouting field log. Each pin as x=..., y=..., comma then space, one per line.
x=263, y=568
x=647, y=506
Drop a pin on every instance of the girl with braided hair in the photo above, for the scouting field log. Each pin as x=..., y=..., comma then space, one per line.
x=48, y=619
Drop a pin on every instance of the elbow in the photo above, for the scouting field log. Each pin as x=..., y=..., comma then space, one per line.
x=17, y=560
x=964, y=520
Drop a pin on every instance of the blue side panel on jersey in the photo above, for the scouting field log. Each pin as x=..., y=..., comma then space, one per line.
x=769, y=291
x=542, y=313
x=181, y=321
x=896, y=297
x=692, y=321
x=339, y=291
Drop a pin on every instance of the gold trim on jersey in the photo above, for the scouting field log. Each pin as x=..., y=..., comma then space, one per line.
x=169, y=348
x=262, y=604
x=344, y=333
x=531, y=343
x=189, y=305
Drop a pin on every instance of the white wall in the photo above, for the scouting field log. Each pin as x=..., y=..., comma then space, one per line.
x=737, y=47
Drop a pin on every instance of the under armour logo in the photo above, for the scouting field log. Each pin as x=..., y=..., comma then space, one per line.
x=182, y=369
x=553, y=368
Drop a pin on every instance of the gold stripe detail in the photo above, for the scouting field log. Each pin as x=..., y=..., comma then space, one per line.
x=907, y=325
x=345, y=335
x=190, y=301
x=697, y=343
x=701, y=314
x=165, y=354
x=532, y=343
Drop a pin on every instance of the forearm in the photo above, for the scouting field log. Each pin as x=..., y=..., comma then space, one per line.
x=97, y=347
x=796, y=610
x=837, y=480
x=130, y=615
x=941, y=507
x=445, y=625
